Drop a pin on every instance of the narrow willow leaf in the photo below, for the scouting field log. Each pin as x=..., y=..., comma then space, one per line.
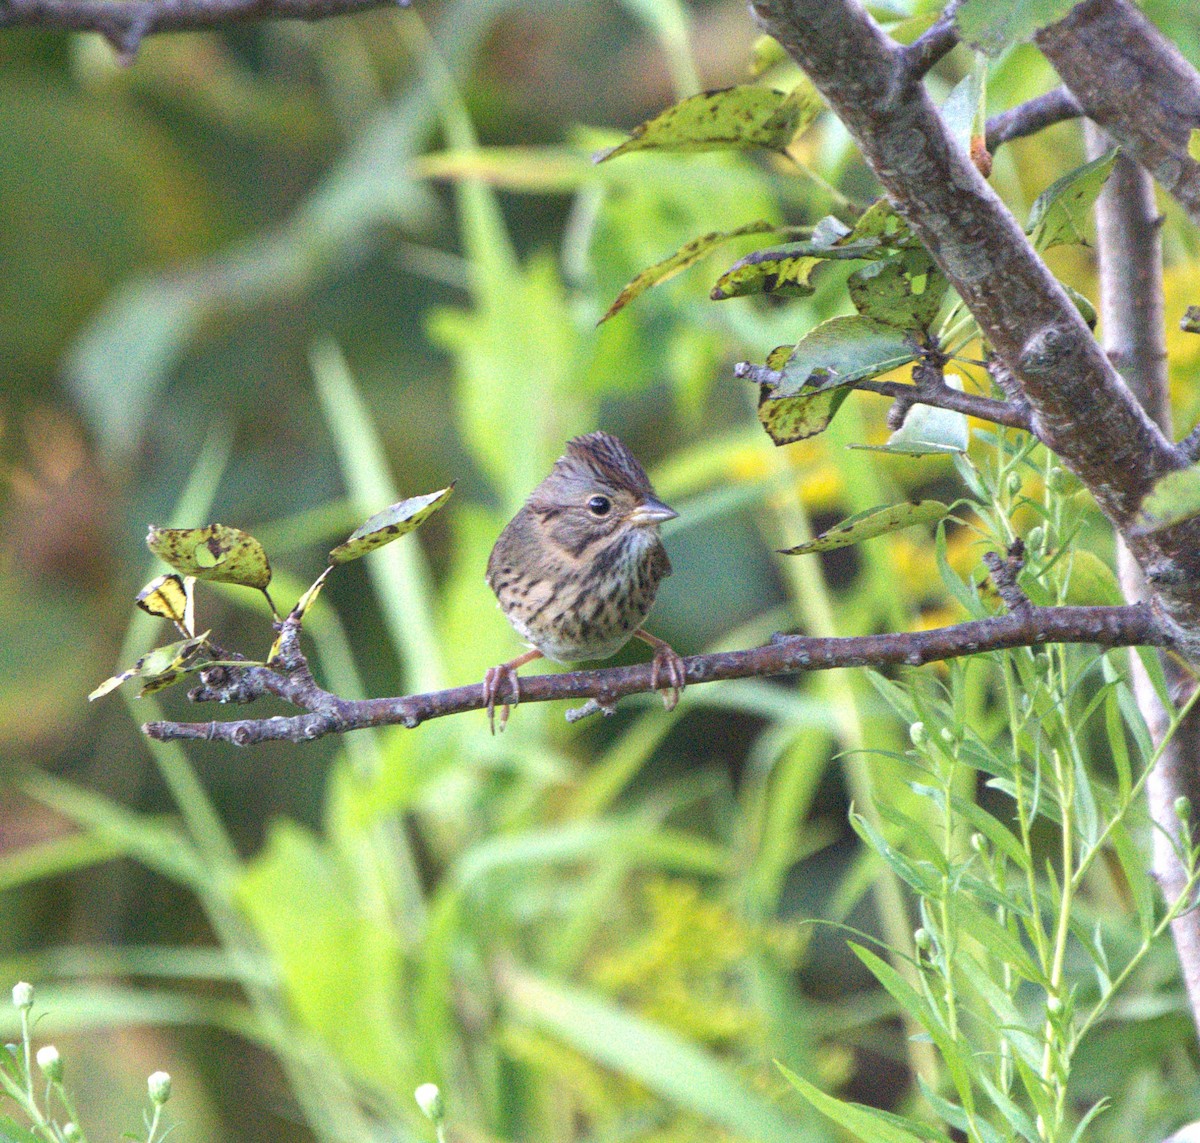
x=993, y=25
x=216, y=553
x=842, y=350
x=869, y=1123
x=905, y=291
x=742, y=118
x=542, y=170
x=390, y=524
x=1059, y=212
x=170, y=597
x=687, y=255
x=873, y=522
x=911, y=1001
x=1174, y=498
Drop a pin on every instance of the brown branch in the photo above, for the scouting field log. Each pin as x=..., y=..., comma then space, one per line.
x=784, y=655
x=1136, y=84
x=1078, y=404
x=1032, y=116
x=936, y=42
x=124, y=23
x=943, y=397
x=1129, y=250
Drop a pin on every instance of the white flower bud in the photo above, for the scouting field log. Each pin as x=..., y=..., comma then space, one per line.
x=429, y=1100
x=23, y=996
x=50, y=1062
x=159, y=1085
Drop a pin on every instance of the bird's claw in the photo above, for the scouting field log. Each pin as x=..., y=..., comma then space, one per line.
x=668, y=662
x=494, y=678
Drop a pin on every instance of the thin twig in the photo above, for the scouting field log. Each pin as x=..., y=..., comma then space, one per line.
x=1033, y=116
x=784, y=655
x=938, y=41
x=973, y=404
x=124, y=23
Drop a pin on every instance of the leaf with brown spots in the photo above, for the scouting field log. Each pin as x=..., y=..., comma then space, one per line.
x=1059, y=212
x=842, y=350
x=790, y=419
x=735, y=118
x=687, y=255
x=905, y=290
x=873, y=522
x=216, y=553
x=161, y=668
x=170, y=597
x=388, y=525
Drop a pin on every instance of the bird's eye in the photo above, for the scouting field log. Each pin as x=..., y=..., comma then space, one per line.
x=599, y=505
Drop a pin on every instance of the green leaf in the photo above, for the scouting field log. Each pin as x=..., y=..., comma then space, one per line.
x=961, y=110
x=1083, y=304
x=869, y=1123
x=740, y=117
x=1061, y=209
x=993, y=25
x=785, y=270
x=216, y=553
x=842, y=350
x=335, y=953
x=393, y=522
x=687, y=255
x=912, y=1002
x=881, y=225
x=905, y=291
x=790, y=419
x=928, y=431
x=1174, y=498
x=873, y=522
x=670, y=1066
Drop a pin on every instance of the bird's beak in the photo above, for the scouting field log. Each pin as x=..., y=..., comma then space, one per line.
x=650, y=512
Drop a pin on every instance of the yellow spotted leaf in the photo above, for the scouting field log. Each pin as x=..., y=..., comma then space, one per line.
x=216, y=553
x=871, y=523
x=389, y=525
x=161, y=667
x=170, y=597
x=687, y=255
x=739, y=118
x=301, y=609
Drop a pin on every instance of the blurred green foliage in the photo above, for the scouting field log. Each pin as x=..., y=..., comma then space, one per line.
x=286, y=276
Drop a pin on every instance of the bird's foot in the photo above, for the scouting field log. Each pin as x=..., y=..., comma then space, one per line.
x=504, y=677
x=668, y=675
